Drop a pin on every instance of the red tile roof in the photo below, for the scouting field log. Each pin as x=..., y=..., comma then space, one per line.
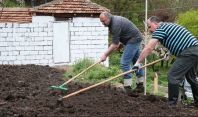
x=20, y=15
x=70, y=6
x=57, y=8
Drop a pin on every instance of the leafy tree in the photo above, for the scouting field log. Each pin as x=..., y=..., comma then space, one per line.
x=11, y=3
x=131, y=9
x=134, y=10
x=35, y=2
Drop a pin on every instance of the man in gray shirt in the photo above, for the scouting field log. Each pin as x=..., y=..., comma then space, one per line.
x=124, y=32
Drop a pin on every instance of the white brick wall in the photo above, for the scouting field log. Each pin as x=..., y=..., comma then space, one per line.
x=89, y=39
x=32, y=43
x=24, y=43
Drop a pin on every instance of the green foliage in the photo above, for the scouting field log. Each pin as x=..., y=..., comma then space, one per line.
x=95, y=74
x=131, y=9
x=114, y=59
x=101, y=72
x=80, y=65
x=189, y=20
x=134, y=10
x=28, y=3
x=11, y=3
x=36, y=2
x=187, y=101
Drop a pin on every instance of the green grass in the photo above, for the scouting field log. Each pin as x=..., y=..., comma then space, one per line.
x=162, y=79
x=96, y=74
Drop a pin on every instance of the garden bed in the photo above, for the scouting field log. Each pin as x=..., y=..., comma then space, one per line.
x=25, y=92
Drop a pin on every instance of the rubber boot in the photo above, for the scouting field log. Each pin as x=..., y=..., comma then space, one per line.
x=128, y=90
x=195, y=104
x=139, y=88
x=194, y=88
x=173, y=93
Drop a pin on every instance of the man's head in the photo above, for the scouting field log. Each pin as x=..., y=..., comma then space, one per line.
x=105, y=18
x=153, y=23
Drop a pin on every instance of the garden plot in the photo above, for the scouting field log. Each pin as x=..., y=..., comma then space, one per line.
x=25, y=92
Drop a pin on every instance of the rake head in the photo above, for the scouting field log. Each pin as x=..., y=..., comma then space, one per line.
x=59, y=88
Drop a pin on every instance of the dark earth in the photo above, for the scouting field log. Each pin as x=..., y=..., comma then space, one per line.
x=25, y=92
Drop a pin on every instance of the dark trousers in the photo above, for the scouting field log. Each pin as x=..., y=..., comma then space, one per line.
x=185, y=66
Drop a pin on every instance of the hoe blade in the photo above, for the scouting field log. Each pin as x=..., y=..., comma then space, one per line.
x=59, y=88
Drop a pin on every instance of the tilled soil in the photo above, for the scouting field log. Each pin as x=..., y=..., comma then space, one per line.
x=25, y=92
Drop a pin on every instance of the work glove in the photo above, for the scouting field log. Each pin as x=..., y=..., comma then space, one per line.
x=167, y=56
x=136, y=67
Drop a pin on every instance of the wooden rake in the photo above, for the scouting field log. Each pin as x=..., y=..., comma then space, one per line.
x=111, y=78
x=62, y=87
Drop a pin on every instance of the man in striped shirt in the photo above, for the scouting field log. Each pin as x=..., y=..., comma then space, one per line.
x=181, y=43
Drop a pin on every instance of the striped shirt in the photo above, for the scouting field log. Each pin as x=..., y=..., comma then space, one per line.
x=174, y=37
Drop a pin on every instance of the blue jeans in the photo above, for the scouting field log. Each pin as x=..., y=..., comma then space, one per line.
x=130, y=56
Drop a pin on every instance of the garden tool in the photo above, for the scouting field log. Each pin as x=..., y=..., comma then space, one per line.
x=111, y=78
x=62, y=87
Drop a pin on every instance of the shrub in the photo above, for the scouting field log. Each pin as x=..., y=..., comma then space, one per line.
x=189, y=20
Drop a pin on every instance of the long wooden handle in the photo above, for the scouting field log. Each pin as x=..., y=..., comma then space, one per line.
x=81, y=73
x=92, y=86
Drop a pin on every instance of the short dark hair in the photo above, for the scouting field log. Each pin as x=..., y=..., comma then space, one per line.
x=154, y=19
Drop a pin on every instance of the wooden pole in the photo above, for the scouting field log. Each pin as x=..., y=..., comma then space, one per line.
x=111, y=78
x=155, y=83
x=146, y=38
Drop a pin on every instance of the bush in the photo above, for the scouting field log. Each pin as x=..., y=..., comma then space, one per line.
x=189, y=20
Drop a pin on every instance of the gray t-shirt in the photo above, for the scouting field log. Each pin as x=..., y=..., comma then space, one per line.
x=123, y=30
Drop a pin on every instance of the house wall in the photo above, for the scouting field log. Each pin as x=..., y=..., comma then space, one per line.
x=89, y=38
x=32, y=43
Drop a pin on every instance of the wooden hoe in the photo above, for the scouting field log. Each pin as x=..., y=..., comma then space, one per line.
x=111, y=78
x=62, y=87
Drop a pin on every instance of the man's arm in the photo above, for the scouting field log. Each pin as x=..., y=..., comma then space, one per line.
x=147, y=50
x=111, y=48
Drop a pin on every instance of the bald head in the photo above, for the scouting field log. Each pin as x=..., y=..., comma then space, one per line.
x=105, y=18
x=153, y=23
x=154, y=19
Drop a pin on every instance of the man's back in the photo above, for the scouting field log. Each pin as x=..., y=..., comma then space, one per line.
x=123, y=30
x=174, y=37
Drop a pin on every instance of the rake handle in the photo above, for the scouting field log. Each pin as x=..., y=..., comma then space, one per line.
x=92, y=86
x=80, y=73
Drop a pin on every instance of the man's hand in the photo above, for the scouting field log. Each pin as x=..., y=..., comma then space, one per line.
x=119, y=47
x=111, y=48
x=136, y=67
x=167, y=56
x=103, y=57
